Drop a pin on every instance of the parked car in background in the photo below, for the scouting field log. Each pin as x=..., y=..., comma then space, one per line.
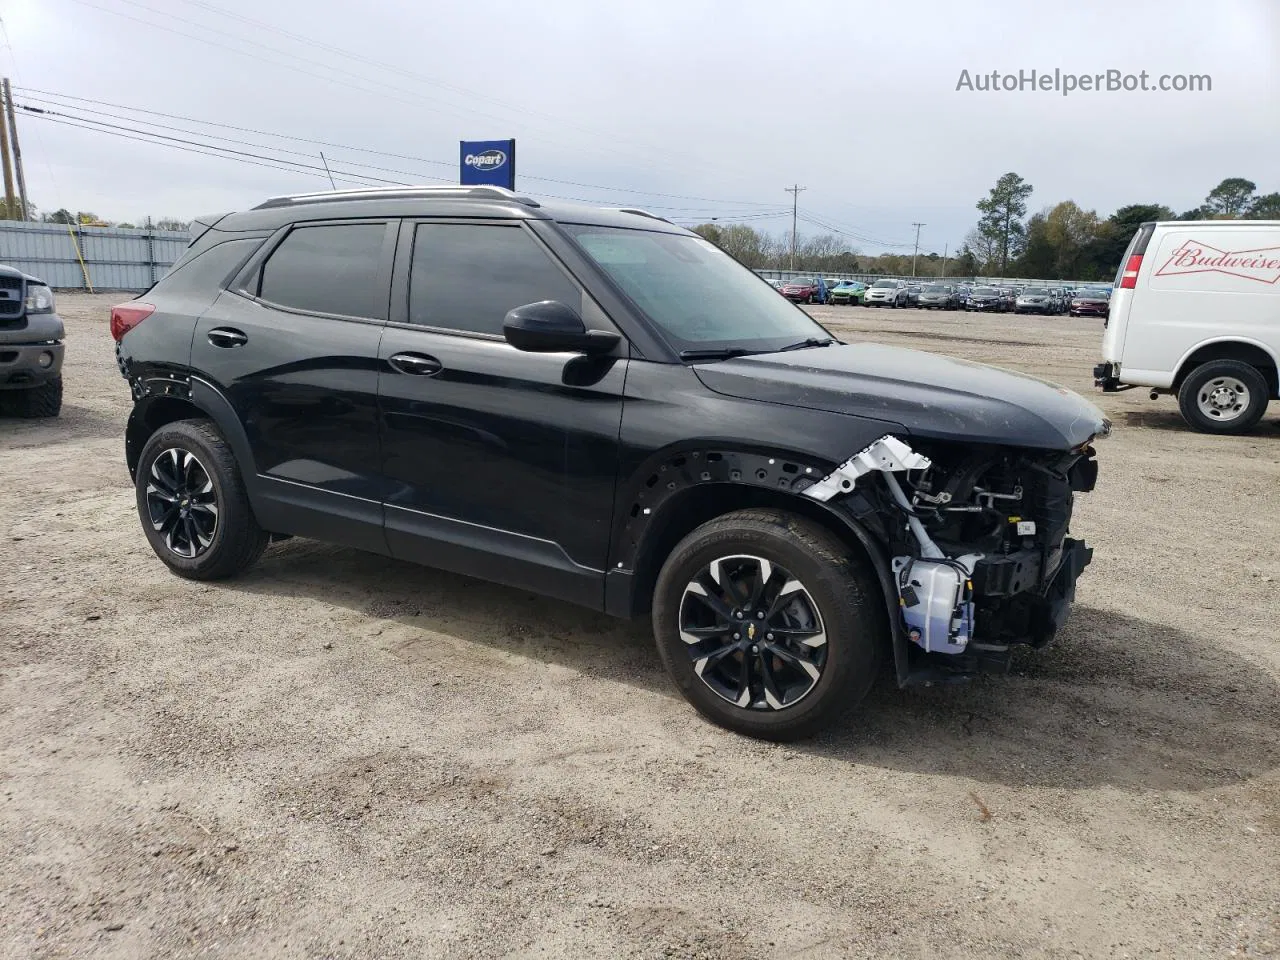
x=1008, y=298
x=1196, y=312
x=1036, y=300
x=913, y=294
x=886, y=293
x=805, y=290
x=777, y=284
x=987, y=299
x=940, y=296
x=1091, y=303
x=31, y=335
x=847, y=293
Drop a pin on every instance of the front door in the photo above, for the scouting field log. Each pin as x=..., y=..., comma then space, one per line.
x=499, y=463
x=294, y=349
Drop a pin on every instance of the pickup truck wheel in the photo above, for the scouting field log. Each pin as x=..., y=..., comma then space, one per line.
x=193, y=505
x=1223, y=396
x=42, y=401
x=767, y=625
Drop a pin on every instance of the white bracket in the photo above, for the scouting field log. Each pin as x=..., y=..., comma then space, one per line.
x=888, y=455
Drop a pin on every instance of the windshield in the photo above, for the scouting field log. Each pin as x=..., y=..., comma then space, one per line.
x=937, y=288
x=986, y=292
x=669, y=276
x=1035, y=292
x=885, y=283
x=1095, y=294
x=802, y=282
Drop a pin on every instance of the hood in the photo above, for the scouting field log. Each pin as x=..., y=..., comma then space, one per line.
x=929, y=395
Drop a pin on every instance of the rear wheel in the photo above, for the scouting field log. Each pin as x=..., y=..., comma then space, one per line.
x=42, y=401
x=767, y=625
x=1223, y=396
x=193, y=505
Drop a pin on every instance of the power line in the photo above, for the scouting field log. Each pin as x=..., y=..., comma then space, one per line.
x=43, y=96
x=326, y=66
x=408, y=74
x=286, y=166
x=213, y=149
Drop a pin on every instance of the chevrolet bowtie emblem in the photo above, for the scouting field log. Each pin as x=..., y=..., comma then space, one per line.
x=751, y=631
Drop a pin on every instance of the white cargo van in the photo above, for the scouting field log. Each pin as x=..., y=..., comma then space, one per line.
x=1196, y=312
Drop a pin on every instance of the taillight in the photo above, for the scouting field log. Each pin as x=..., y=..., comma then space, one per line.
x=127, y=316
x=1129, y=279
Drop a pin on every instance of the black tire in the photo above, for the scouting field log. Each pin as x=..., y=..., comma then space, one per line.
x=236, y=541
x=42, y=401
x=848, y=602
x=1217, y=375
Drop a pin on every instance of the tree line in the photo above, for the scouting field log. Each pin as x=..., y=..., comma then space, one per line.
x=87, y=218
x=1067, y=242
x=1062, y=242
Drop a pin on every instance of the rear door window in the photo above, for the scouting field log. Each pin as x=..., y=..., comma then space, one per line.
x=336, y=268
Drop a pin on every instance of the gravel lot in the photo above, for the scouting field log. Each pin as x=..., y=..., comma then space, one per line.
x=340, y=755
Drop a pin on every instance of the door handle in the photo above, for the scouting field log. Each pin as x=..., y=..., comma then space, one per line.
x=415, y=364
x=227, y=337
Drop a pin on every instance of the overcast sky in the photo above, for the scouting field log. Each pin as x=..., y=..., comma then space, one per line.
x=725, y=102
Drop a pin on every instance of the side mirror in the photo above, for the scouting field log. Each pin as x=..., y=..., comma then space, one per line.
x=551, y=327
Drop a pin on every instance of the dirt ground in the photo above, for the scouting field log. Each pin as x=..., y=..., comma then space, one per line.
x=341, y=756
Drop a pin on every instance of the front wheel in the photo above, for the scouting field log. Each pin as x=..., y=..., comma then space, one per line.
x=767, y=625
x=193, y=505
x=1223, y=396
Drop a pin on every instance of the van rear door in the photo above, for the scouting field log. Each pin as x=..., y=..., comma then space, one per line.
x=1122, y=294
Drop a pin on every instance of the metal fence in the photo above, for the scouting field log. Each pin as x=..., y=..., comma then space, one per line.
x=72, y=257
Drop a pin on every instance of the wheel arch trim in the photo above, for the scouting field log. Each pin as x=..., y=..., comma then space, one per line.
x=1181, y=370
x=652, y=501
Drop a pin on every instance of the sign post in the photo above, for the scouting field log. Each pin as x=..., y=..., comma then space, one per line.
x=487, y=162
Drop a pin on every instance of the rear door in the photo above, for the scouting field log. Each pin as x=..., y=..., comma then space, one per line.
x=500, y=463
x=293, y=347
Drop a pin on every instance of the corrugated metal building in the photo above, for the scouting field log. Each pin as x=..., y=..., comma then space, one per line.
x=72, y=257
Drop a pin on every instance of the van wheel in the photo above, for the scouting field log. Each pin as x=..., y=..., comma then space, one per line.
x=193, y=505
x=767, y=625
x=1223, y=396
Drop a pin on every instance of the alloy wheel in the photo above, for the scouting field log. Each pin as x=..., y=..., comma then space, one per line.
x=182, y=504
x=754, y=633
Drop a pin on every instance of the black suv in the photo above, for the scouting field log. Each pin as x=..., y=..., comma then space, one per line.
x=602, y=407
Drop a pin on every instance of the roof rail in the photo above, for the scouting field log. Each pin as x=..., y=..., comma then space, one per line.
x=642, y=213
x=399, y=193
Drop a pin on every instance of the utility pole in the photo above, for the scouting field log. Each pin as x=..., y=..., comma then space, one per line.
x=10, y=201
x=917, y=247
x=326, y=170
x=17, y=150
x=795, y=202
x=944, y=259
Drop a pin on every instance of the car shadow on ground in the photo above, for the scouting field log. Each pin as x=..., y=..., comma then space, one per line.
x=1084, y=712
x=1165, y=419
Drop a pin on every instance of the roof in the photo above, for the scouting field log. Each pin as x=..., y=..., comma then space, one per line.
x=448, y=201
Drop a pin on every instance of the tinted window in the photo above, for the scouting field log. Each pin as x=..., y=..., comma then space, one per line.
x=467, y=276
x=698, y=294
x=329, y=269
x=208, y=269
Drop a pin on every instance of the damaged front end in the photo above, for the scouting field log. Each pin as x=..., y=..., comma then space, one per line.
x=978, y=541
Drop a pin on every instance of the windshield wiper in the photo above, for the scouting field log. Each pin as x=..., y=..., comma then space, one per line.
x=716, y=353
x=811, y=342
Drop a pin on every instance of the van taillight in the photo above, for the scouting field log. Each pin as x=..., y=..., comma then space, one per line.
x=127, y=316
x=1129, y=278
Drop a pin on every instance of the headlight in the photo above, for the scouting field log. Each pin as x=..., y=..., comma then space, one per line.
x=39, y=298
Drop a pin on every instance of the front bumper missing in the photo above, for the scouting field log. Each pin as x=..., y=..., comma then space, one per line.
x=959, y=615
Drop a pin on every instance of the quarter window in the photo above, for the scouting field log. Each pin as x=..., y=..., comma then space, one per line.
x=466, y=276
x=332, y=268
